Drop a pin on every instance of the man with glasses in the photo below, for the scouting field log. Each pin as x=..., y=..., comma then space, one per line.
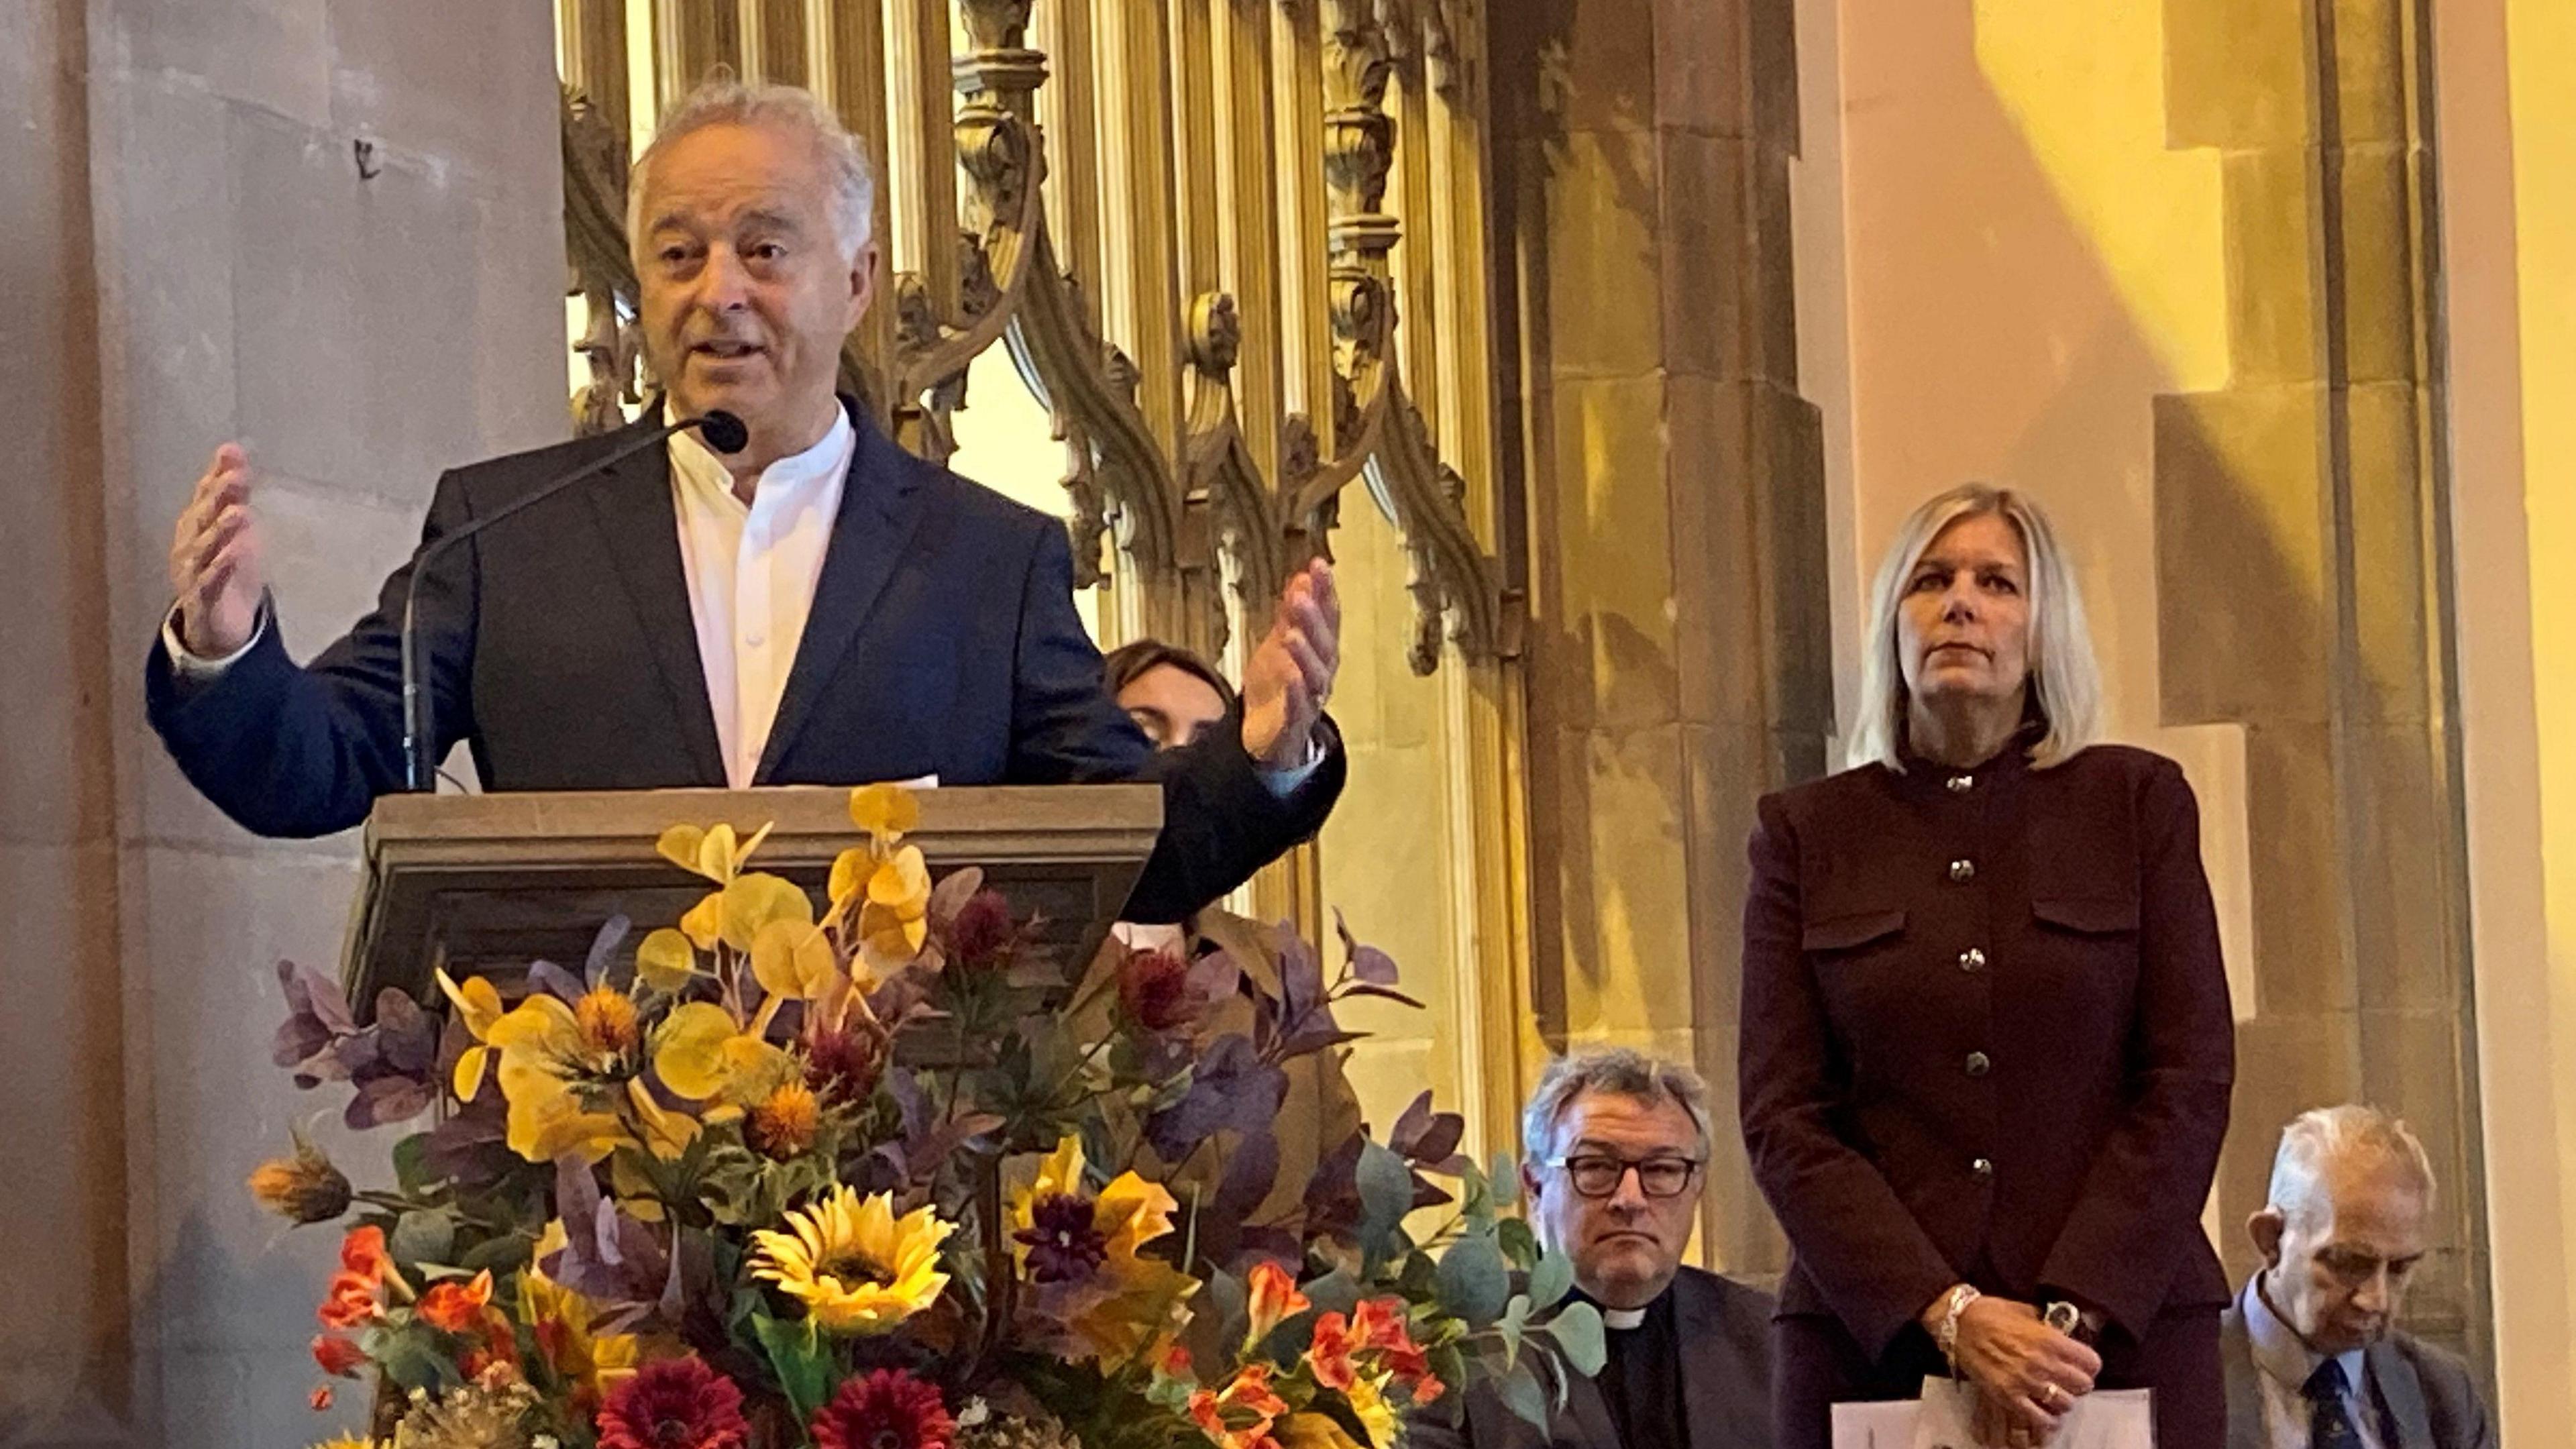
x=1616, y=1146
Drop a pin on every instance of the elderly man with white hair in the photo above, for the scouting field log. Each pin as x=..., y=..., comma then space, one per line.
x=790, y=599
x=2314, y=1357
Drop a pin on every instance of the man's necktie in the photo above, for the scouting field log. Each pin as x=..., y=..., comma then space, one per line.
x=2330, y=1423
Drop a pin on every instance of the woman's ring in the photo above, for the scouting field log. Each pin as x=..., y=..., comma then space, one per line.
x=2056, y=1395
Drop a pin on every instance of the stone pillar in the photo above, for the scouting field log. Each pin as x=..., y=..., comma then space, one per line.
x=331, y=228
x=1679, y=647
x=2306, y=594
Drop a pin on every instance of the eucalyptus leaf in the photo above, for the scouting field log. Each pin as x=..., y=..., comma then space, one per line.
x=1577, y=1331
x=412, y=1172
x=1524, y=1395
x=1475, y=1282
x=425, y=1235
x=1551, y=1279
x=1386, y=1190
x=1520, y=1245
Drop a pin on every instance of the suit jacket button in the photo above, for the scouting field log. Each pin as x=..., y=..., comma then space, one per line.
x=1978, y=1066
x=1962, y=784
x=1963, y=871
x=1983, y=1169
x=1972, y=960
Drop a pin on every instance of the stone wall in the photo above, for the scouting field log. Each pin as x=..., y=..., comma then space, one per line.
x=207, y=254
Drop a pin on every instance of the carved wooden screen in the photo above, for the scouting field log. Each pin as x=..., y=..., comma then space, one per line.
x=1236, y=251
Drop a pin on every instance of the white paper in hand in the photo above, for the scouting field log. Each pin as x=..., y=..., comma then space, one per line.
x=1943, y=1419
x=2113, y=1420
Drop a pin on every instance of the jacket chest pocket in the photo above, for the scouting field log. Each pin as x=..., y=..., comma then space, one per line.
x=2085, y=947
x=1862, y=958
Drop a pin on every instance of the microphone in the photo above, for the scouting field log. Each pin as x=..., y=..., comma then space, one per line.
x=720, y=430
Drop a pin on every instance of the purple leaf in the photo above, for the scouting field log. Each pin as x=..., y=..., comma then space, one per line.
x=1306, y=1043
x=603, y=949
x=473, y=1145
x=1373, y=966
x=1232, y=1087
x=389, y=1099
x=1385, y=993
x=407, y=1036
x=1410, y=1124
x=309, y=991
x=548, y=977
x=298, y=1038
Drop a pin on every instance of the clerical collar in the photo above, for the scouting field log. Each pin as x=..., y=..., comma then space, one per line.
x=1623, y=1318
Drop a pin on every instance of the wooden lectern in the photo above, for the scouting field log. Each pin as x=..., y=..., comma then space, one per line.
x=488, y=883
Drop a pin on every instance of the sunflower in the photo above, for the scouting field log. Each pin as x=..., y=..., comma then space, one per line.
x=1079, y=1252
x=855, y=1266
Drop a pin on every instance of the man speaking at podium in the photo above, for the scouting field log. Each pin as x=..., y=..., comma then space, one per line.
x=820, y=607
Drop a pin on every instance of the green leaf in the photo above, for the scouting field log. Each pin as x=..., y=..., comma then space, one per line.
x=410, y=1356
x=1386, y=1190
x=425, y=1235
x=1551, y=1279
x=1524, y=1395
x=1475, y=1282
x=804, y=1365
x=503, y=1255
x=411, y=1164
x=1577, y=1331
x=1520, y=1245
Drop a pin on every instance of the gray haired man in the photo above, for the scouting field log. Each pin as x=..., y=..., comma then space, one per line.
x=1616, y=1150
x=2314, y=1357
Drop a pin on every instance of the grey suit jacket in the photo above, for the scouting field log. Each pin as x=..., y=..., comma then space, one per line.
x=1725, y=1333
x=2427, y=1399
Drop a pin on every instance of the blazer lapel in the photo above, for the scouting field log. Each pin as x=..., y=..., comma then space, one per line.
x=1712, y=1409
x=880, y=507
x=636, y=517
x=1590, y=1413
x=2401, y=1392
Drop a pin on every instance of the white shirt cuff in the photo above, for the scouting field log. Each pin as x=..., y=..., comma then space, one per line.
x=1284, y=783
x=196, y=668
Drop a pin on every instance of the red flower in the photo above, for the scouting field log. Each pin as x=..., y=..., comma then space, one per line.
x=457, y=1307
x=888, y=1409
x=981, y=929
x=1383, y=1325
x=339, y=1357
x=1331, y=1350
x=350, y=1303
x=677, y=1403
x=1176, y=1362
x=363, y=1253
x=499, y=1348
x=320, y=1398
x=1428, y=1389
x=1154, y=991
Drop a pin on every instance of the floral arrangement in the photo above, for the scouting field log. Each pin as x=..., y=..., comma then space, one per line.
x=884, y=1175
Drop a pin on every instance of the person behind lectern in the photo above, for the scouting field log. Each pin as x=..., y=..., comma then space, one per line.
x=1986, y=1049
x=821, y=607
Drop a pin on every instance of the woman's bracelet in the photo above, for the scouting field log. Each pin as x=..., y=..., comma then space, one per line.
x=1948, y=1338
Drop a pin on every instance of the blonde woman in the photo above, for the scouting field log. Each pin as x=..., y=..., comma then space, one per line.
x=1987, y=1045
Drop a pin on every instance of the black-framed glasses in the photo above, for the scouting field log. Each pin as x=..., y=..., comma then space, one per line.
x=1598, y=1174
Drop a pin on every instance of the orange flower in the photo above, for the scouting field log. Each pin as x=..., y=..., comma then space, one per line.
x=1427, y=1389
x=1176, y=1363
x=363, y=1253
x=498, y=1350
x=1384, y=1325
x=1274, y=1299
x=339, y=1357
x=320, y=1398
x=457, y=1307
x=351, y=1302
x=1331, y=1351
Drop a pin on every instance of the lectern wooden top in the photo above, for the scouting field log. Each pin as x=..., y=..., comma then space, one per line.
x=488, y=883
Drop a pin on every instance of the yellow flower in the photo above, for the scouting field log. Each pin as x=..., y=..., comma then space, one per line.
x=855, y=1266
x=711, y=852
x=1375, y=1414
x=590, y=1363
x=665, y=1133
x=347, y=1441
x=703, y=1054
x=546, y=1051
x=1111, y=1302
x=784, y=1123
x=478, y=1005
x=1313, y=1431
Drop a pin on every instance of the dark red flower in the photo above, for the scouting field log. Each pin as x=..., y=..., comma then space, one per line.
x=981, y=930
x=888, y=1409
x=844, y=1065
x=1063, y=1238
x=1154, y=991
x=676, y=1403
